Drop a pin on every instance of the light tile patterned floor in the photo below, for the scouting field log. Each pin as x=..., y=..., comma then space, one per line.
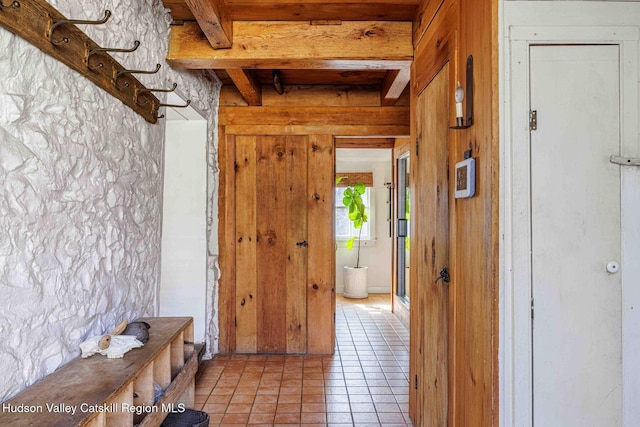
x=365, y=383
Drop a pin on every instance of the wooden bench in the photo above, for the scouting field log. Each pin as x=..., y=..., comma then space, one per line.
x=98, y=391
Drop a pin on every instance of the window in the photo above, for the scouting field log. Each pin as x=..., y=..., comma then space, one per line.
x=344, y=227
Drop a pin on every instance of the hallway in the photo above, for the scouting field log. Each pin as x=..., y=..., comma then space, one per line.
x=365, y=383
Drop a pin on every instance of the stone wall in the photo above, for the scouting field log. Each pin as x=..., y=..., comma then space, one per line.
x=81, y=192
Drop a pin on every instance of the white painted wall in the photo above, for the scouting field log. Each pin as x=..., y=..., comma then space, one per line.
x=183, y=277
x=521, y=23
x=80, y=193
x=377, y=257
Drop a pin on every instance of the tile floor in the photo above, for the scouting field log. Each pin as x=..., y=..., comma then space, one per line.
x=365, y=383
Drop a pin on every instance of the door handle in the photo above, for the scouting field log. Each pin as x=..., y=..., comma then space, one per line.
x=402, y=227
x=444, y=275
x=303, y=243
x=625, y=161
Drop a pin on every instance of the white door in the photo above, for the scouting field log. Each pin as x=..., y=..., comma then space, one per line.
x=575, y=214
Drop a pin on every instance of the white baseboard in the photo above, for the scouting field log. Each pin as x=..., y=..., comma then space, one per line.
x=370, y=289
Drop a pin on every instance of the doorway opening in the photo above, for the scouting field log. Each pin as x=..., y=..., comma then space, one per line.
x=374, y=168
x=183, y=265
x=403, y=221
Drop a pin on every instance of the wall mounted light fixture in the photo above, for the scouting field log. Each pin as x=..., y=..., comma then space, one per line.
x=462, y=122
x=277, y=82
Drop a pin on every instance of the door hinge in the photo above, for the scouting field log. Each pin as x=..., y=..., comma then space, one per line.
x=416, y=382
x=417, y=147
x=532, y=308
x=533, y=120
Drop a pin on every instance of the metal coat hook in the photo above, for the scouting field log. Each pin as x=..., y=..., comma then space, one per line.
x=12, y=5
x=117, y=74
x=55, y=23
x=174, y=105
x=154, y=108
x=92, y=50
x=139, y=91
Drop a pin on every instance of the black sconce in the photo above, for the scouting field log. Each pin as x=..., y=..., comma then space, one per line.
x=462, y=122
x=277, y=82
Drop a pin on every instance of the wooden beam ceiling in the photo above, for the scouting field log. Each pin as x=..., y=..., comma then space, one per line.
x=393, y=85
x=247, y=84
x=307, y=10
x=323, y=50
x=364, y=142
x=214, y=20
x=296, y=45
x=285, y=116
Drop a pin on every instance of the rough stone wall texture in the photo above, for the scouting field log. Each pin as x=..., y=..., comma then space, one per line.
x=80, y=192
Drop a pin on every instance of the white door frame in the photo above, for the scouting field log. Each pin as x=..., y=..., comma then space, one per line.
x=170, y=306
x=515, y=215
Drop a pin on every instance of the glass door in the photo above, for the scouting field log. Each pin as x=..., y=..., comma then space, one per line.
x=403, y=225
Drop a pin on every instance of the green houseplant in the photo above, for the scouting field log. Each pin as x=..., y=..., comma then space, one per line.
x=357, y=213
x=355, y=278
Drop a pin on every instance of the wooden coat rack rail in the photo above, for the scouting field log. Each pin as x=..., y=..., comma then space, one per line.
x=40, y=24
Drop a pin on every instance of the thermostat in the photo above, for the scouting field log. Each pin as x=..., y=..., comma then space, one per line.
x=465, y=178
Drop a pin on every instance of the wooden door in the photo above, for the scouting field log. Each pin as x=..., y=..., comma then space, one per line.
x=429, y=379
x=575, y=230
x=271, y=244
x=284, y=251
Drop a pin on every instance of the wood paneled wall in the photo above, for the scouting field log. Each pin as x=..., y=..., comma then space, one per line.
x=319, y=127
x=449, y=31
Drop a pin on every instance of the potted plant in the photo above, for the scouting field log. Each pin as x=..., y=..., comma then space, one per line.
x=355, y=277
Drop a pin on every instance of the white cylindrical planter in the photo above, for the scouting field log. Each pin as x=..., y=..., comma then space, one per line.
x=355, y=282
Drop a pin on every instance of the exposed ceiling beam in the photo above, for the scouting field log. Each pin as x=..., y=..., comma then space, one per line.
x=364, y=142
x=346, y=11
x=247, y=84
x=353, y=45
x=214, y=20
x=307, y=10
x=393, y=85
x=309, y=116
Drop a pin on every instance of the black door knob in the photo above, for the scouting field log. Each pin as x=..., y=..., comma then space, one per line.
x=444, y=275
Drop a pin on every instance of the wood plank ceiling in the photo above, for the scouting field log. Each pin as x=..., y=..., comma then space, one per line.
x=250, y=43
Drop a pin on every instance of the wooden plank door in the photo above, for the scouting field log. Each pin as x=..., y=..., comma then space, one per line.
x=575, y=231
x=271, y=244
x=321, y=294
x=429, y=365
